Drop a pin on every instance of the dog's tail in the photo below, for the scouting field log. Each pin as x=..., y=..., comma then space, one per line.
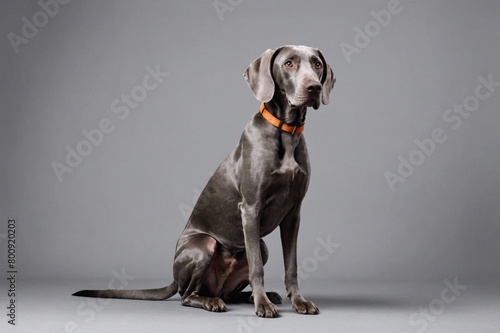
x=141, y=294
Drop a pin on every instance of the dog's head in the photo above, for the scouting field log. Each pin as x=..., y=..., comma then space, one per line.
x=300, y=73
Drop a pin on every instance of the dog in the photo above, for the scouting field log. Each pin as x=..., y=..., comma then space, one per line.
x=257, y=188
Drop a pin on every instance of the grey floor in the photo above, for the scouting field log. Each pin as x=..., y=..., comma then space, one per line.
x=345, y=307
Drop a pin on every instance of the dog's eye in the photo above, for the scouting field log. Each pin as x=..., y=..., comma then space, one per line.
x=288, y=64
x=318, y=65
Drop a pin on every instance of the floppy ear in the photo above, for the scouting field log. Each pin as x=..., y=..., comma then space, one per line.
x=259, y=78
x=328, y=80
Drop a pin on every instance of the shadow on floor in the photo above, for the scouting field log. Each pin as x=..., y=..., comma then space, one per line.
x=349, y=301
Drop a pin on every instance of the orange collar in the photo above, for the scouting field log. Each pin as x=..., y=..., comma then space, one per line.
x=278, y=123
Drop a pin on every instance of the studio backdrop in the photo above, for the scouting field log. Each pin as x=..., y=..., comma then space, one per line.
x=114, y=114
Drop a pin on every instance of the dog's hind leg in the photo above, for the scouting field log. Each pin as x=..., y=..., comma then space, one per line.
x=238, y=280
x=191, y=267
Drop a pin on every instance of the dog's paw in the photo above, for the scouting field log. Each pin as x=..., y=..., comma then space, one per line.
x=305, y=307
x=215, y=304
x=266, y=310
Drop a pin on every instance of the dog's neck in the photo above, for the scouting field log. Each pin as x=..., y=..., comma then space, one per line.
x=281, y=109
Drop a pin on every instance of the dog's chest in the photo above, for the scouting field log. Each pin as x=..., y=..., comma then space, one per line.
x=287, y=185
x=288, y=169
x=289, y=162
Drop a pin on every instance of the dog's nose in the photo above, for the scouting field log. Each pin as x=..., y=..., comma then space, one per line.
x=314, y=88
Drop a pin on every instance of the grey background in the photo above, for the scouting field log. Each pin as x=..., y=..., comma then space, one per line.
x=121, y=207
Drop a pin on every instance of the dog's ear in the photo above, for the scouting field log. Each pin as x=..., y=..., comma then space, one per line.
x=259, y=78
x=328, y=80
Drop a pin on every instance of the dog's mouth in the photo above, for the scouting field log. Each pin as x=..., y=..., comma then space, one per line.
x=308, y=101
x=314, y=103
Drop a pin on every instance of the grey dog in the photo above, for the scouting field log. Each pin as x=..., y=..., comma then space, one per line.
x=257, y=188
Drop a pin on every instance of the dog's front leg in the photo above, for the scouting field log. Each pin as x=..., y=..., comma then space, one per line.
x=289, y=230
x=250, y=217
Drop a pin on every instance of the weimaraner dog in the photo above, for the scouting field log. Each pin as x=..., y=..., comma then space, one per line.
x=257, y=188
